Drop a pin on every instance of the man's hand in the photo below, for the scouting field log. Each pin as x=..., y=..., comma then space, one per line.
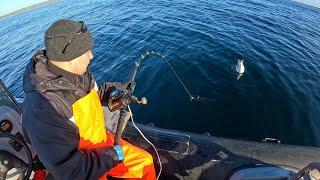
x=125, y=85
x=119, y=151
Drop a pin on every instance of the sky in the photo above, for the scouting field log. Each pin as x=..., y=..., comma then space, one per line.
x=315, y=3
x=9, y=6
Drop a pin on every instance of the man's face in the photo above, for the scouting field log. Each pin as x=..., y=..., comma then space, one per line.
x=81, y=63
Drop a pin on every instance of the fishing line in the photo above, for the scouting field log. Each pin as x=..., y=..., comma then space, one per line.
x=144, y=137
x=192, y=97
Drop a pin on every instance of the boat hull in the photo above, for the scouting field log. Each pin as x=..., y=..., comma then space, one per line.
x=193, y=156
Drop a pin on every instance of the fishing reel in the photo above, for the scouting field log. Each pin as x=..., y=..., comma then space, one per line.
x=119, y=99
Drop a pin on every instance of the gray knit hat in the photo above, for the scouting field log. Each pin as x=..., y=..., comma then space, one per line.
x=66, y=40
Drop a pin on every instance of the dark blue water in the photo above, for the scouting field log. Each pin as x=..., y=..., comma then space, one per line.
x=278, y=97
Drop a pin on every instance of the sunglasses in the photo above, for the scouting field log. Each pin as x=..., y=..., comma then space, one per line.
x=82, y=30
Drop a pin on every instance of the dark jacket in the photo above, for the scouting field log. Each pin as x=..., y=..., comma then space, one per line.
x=45, y=118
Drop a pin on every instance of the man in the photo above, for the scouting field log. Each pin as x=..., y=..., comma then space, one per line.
x=63, y=116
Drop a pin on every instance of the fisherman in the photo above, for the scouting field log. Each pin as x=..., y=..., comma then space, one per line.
x=62, y=113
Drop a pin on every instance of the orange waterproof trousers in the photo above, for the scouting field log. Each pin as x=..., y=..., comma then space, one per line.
x=137, y=163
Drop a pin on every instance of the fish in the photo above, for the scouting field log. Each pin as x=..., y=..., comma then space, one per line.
x=240, y=68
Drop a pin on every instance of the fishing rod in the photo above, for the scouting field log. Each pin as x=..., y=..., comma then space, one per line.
x=121, y=99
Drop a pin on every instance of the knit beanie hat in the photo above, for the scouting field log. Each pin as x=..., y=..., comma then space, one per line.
x=66, y=40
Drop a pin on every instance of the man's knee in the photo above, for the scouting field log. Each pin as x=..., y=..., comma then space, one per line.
x=148, y=158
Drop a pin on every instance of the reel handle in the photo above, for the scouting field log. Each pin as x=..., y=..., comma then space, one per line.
x=142, y=101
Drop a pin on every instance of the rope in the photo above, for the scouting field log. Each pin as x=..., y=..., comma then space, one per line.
x=144, y=137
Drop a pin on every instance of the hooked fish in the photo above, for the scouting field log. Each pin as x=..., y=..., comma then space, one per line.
x=240, y=68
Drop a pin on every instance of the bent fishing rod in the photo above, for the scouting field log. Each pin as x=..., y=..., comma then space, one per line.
x=121, y=99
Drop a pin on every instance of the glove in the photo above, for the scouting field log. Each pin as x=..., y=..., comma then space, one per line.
x=119, y=151
x=125, y=85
